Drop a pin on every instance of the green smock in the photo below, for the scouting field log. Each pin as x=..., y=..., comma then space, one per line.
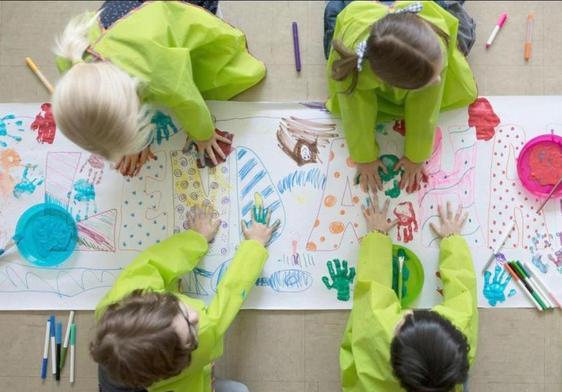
x=373, y=100
x=183, y=54
x=159, y=267
x=365, y=349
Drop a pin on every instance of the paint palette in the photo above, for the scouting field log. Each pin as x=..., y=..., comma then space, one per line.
x=46, y=235
x=539, y=165
x=412, y=275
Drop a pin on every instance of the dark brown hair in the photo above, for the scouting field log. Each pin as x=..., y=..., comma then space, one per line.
x=136, y=343
x=403, y=50
x=429, y=354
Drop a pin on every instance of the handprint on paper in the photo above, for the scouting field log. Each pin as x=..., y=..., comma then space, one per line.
x=407, y=223
x=342, y=278
x=83, y=200
x=44, y=124
x=494, y=288
x=29, y=181
x=164, y=127
x=92, y=169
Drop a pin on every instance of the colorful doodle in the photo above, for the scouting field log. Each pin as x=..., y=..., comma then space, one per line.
x=60, y=174
x=287, y=281
x=97, y=233
x=301, y=178
x=44, y=125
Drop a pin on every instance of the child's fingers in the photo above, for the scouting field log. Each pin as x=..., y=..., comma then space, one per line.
x=441, y=213
x=393, y=223
x=268, y=216
x=219, y=151
x=385, y=208
x=459, y=212
x=363, y=182
x=244, y=227
x=375, y=202
x=383, y=167
x=449, y=211
x=223, y=139
x=365, y=211
x=275, y=225
x=118, y=166
x=377, y=181
x=435, y=229
x=464, y=218
x=212, y=155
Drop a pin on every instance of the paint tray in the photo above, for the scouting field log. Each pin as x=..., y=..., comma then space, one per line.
x=46, y=235
x=543, y=152
x=413, y=276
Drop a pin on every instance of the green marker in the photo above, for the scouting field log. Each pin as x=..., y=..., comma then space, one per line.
x=534, y=284
x=72, y=351
x=521, y=275
x=66, y=338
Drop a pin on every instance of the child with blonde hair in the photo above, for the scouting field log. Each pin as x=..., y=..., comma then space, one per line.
x=166, y=53
x=394, y=62
x=151, y=337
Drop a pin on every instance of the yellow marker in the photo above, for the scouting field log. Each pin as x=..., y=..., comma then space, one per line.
x=39, y=74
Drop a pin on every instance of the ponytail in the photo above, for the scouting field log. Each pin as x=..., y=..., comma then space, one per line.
x=72, y=43
x=346, y=65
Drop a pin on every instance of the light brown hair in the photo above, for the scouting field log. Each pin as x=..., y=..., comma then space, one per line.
x=403, y=50
x=136, y=343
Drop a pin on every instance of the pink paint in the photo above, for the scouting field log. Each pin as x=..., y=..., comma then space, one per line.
x=407, y=222
x=45, y=125
x=539, y=165
x=481, y=115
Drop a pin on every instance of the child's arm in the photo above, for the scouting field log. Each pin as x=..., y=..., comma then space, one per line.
x=458, y=278
x=421, y=112
x=359, y=114
x=241, y=275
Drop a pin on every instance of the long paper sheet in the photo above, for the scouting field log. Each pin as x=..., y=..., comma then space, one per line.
x=294, y=155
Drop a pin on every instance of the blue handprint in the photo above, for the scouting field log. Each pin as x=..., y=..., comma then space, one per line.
x=494, y=290
x=27, y=185
x=163, y=124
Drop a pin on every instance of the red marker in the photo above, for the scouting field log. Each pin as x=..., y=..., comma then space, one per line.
x=499, y=25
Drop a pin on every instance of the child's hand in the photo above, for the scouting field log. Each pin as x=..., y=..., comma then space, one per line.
x=260, y=232
x=369, y=177
x=413, y=175
x=130, y=165
x=204, y=221
x=376, y=218
x=449, y=225
x=211, y=147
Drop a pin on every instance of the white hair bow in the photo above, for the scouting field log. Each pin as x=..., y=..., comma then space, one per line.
x=412, y=8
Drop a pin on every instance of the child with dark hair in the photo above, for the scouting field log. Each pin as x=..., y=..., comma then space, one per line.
x=151, y=337
x=390, y=63
x=386, y=348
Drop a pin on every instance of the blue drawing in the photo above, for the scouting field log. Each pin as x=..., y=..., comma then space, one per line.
x=27, y=185
x=300, y=178
x=537, y=262
x=193, y=283
x=62, y=282
x=83, y=196
x=164, y=126
x=254, y=178
x=287, y=281
x=512, y=292
x=494, y=289
x=4, y=129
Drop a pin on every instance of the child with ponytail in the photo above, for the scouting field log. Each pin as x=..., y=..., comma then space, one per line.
x=394, y=62
x=131, y=53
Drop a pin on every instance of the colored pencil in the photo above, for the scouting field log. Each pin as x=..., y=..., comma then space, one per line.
x=39, y=74
x=526, y=277
x=66, y=338
x=526, y=285
x=58, y=339
x=521, y=286
x=72, y=351
x=53, y=345
x=45, y=362
x=296, y=47
x=539, y=279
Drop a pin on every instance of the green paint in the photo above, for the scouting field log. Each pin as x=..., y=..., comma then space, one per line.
x=380, y=128
x=389, y=161
x=396, y=275
x=342, y=278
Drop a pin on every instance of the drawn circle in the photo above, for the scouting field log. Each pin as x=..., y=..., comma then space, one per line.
x=196, y=184
x=180, y=209
x=183, y=162
x=191, y=171
x=223, y=251
x=213, y=185
x=224, y=169
x=177, y=173
x=184, y=185
x=524, y=165
x=182, y=197
x=330, y=201
x=194, y=195
x=225, y=200
x=336, y=227
x=337, y=174
x=46, y=235
x=415, y=281
x=311, y=247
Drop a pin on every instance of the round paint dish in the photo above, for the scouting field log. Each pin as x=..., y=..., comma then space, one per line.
x=46, y=235
x=539, y=165
x=412, y=272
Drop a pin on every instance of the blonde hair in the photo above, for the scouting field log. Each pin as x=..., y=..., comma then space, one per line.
x=96, y=105
x=402, y=49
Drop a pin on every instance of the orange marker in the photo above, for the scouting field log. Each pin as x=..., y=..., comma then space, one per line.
x=529, y=37
x=39, y=74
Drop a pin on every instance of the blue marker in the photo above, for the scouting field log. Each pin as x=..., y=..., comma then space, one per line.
x=58, y=340
x=45, y=362
x=53, y=344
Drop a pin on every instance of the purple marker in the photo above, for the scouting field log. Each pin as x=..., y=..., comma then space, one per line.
x=296, y=46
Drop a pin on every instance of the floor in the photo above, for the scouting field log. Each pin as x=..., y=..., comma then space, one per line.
x=519, y=350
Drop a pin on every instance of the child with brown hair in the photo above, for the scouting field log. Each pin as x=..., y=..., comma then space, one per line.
x=150, y=336
x=394, y=62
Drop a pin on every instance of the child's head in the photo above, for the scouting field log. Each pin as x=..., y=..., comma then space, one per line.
x=144, y=338
x=96, y=105
x=429, y=354
x=402, y=49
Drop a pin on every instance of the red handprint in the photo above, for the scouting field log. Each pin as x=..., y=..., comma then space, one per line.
x=481, y=115
x=45, y=125
x=407, y=222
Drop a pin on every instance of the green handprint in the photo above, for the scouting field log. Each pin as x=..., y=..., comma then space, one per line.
x=389, y=161
x=164, y=126
x=342, y=277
